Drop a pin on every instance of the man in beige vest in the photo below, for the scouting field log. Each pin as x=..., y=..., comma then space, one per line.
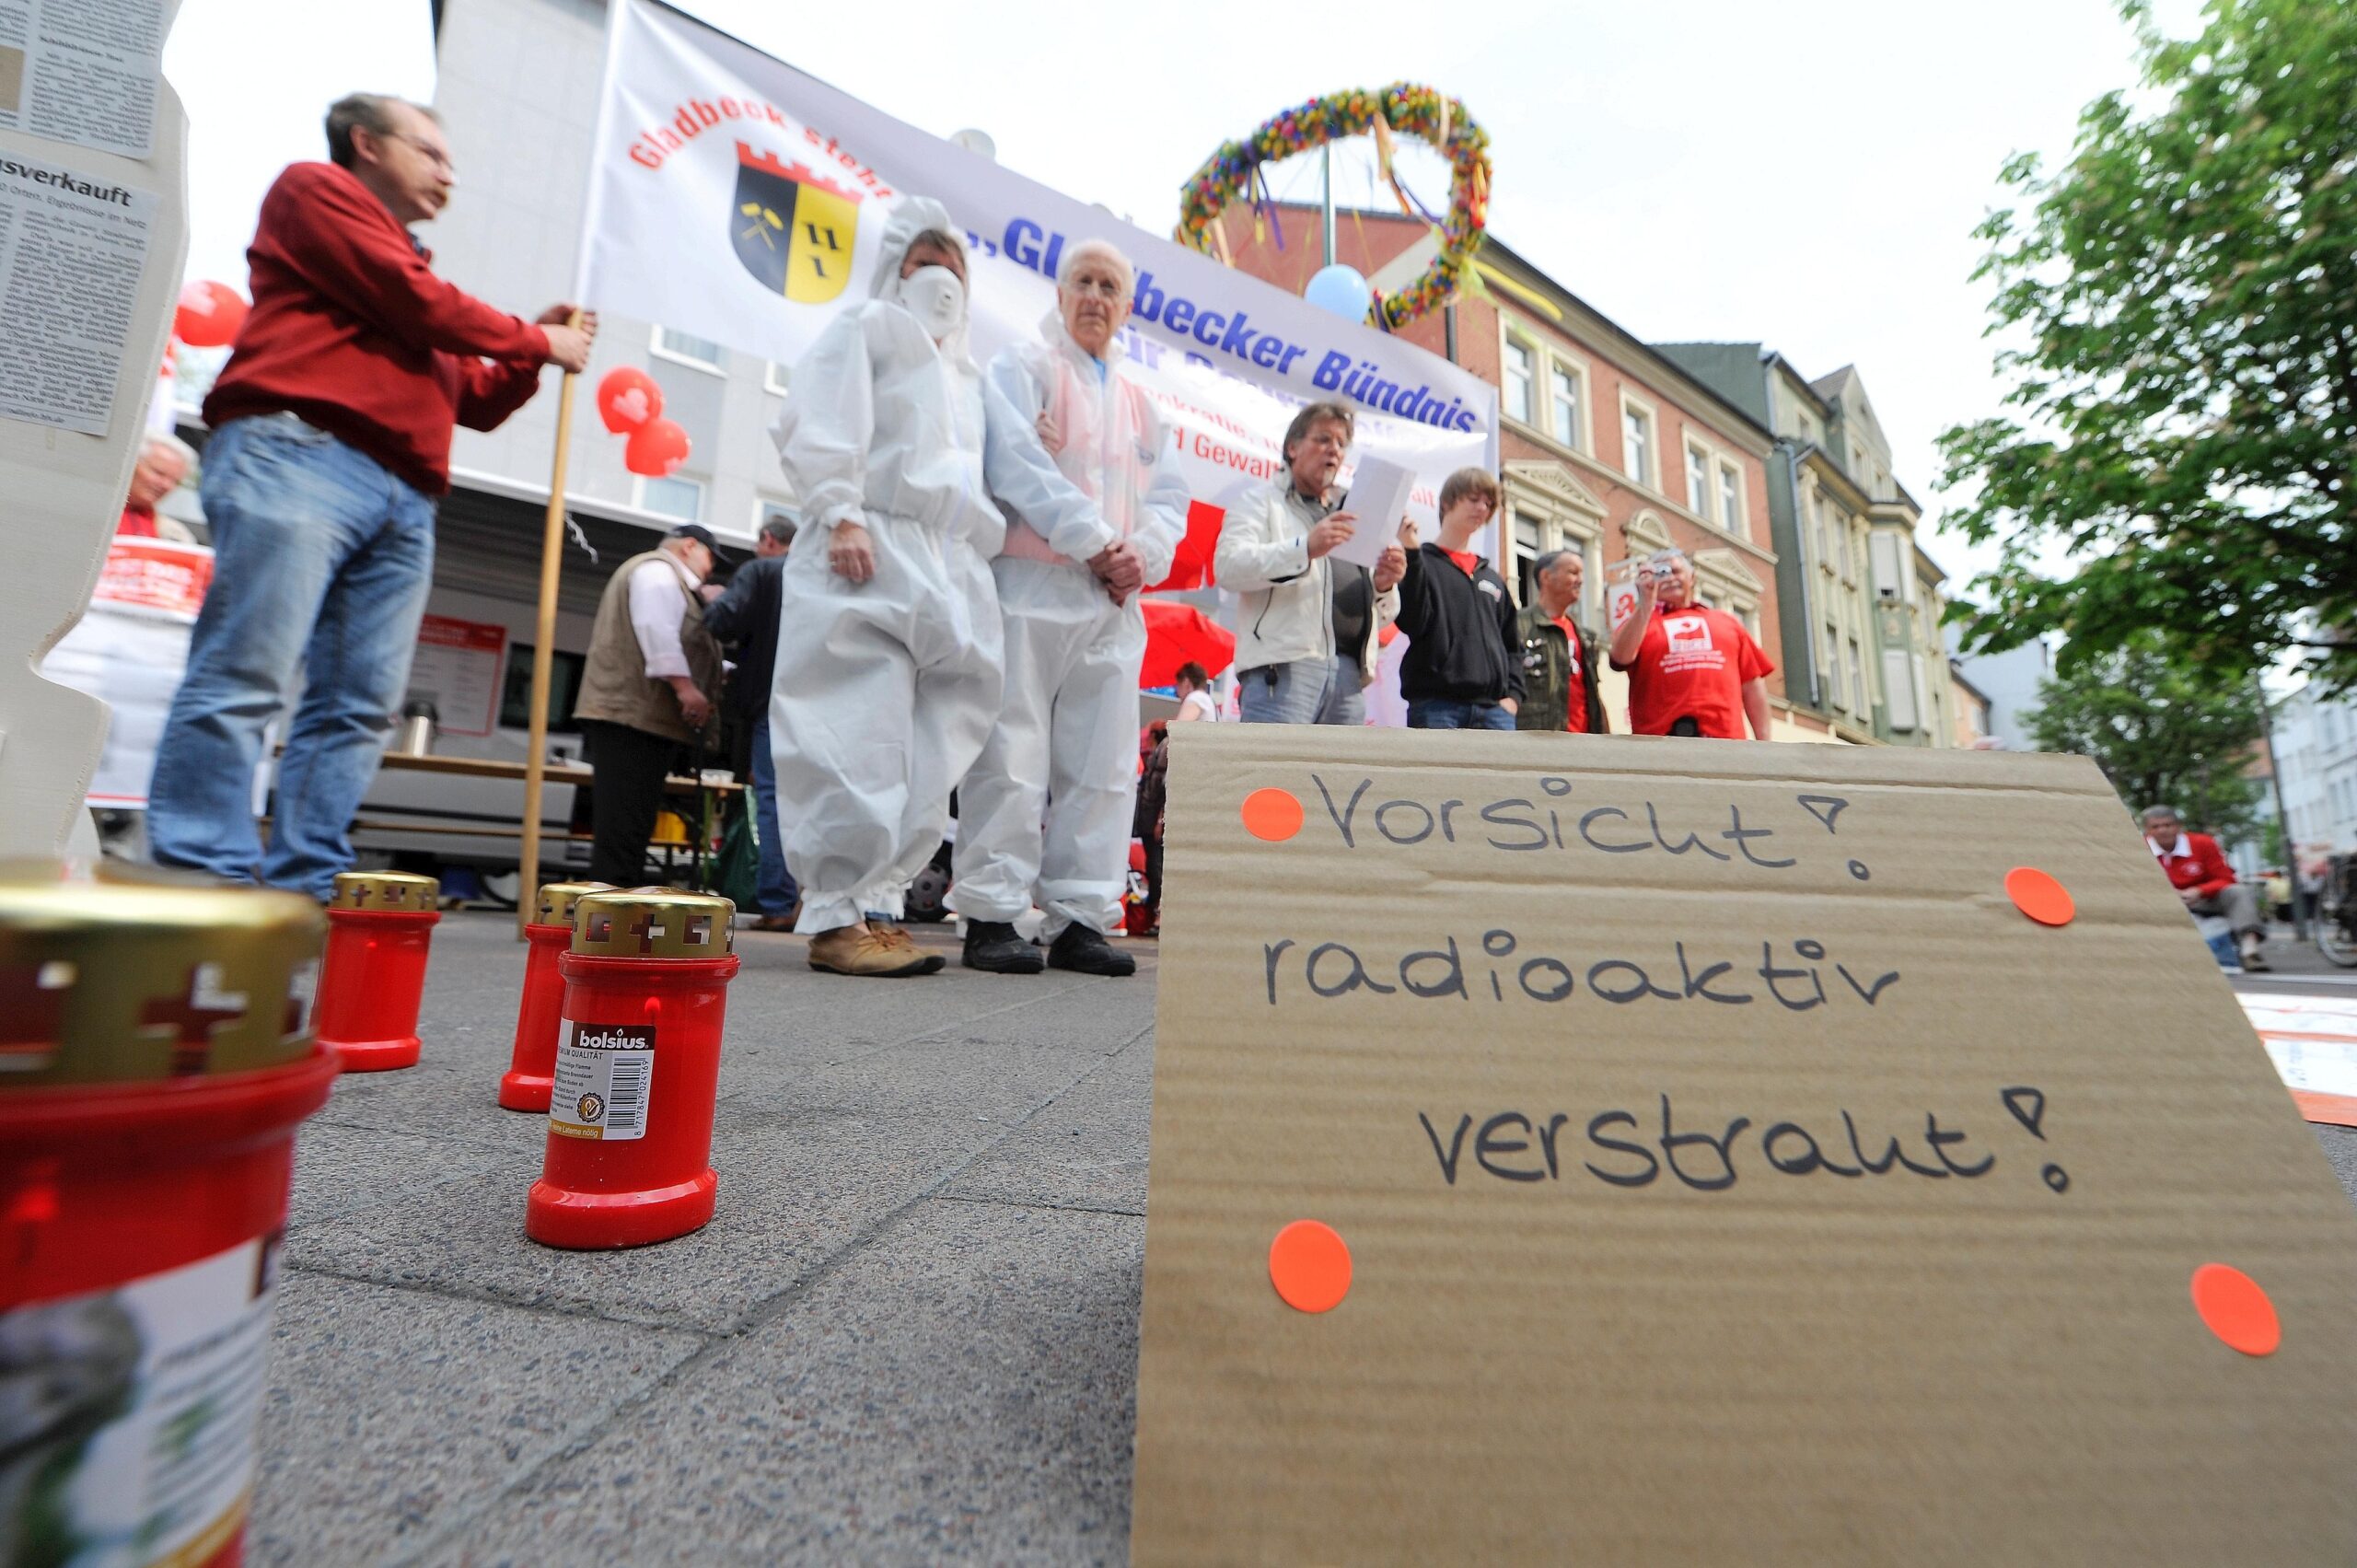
x=647, y=691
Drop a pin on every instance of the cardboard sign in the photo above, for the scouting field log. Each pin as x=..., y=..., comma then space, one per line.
x=1609, y=1151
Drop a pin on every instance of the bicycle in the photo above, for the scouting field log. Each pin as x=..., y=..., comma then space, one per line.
x=2336, y=915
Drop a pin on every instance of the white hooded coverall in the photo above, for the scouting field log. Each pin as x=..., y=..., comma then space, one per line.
x=885, y=689
x=1066, y=743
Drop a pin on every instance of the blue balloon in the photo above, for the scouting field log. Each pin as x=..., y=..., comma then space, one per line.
x=1342, y=290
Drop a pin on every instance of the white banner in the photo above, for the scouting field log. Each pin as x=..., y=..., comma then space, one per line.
x=735, y=199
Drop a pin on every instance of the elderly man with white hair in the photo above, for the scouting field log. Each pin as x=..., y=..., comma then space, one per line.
x=1088, y=473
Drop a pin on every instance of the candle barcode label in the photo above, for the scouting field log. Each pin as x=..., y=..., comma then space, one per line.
x=605, y=1073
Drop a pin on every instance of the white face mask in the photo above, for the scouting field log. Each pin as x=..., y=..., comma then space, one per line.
x=935, y=298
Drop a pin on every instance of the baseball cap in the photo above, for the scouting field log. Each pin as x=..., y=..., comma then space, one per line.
x=701, y=535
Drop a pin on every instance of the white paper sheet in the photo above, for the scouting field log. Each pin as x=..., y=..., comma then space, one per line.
x=1378, y=499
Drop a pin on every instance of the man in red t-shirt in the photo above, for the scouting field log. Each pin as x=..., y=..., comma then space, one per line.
x=331, y=445
x=1692, y=671
x=2197, y=868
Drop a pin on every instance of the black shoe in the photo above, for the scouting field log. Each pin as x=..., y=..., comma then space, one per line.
x=992, y=945
x=1080, y=949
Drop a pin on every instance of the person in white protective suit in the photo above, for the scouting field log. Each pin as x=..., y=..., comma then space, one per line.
x=1088, y=474
x=887, y=650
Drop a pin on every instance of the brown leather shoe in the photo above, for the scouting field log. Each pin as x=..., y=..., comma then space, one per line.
x=856, y=950
x=774, y=923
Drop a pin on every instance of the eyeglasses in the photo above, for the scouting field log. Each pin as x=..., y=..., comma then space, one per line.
x=433, y=154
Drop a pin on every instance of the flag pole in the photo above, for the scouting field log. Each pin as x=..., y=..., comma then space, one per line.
x=527, y=888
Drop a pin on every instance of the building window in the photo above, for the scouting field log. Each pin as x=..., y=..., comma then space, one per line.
x=1862, y=702
x=700, y=351
x=1637, y=444
x=681, y=498
x=1730, y=498
x=1697, y=482
x=1526, y=558
x=1833, y=669
x=1890, y=581
x=1899, y=688
x=565, y=686
x=1848, y=566
x=1564, y=405
x=777, y=377
x=1520, y=375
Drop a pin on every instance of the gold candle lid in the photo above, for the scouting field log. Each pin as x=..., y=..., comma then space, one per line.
x=378, y=892
x=653, y=923
x=111, y=977
x=554, y=905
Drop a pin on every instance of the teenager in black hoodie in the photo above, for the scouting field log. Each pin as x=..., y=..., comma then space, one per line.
x=1464, y=667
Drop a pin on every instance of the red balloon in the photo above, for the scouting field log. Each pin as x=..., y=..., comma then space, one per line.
x=627, y=397
x=209, y=315
x=655, y=448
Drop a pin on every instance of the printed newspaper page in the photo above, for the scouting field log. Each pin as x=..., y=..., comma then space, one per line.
x=72, y=248
x=82, y=71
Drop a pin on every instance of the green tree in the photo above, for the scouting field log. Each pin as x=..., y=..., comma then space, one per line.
x=2163, y=733
x=2179, y=307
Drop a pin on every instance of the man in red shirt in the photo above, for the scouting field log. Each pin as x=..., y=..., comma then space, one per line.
x=332, y=440
x=1558, y=656
x=2197, y=868
x=1692, y=669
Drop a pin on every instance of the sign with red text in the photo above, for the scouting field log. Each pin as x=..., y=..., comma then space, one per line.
x=129, y=650
x=1642, y=1151
x=457, y=667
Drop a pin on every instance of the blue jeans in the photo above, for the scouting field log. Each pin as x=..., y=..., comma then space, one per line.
x=1306, y=692
x=322, y=562
x=1451, y=713
x=776, y=892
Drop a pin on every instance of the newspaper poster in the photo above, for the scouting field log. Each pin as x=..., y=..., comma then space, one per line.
x=83, y=71
x=72, y=249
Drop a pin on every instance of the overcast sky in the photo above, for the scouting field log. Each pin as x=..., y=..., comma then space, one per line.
x=1805, y=174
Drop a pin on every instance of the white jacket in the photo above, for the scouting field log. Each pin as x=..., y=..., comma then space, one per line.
x=1116, y=474
x=1263, y=556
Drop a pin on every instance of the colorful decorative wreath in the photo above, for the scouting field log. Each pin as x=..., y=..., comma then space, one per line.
x=1234, y=173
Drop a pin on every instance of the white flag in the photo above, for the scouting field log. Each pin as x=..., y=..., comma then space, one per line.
x=736, y=199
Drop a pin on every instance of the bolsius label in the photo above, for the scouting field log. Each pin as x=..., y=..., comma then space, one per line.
x=604, y=1073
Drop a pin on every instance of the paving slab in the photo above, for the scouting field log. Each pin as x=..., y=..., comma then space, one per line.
x=2339, y=1145
x=342, y=1169
x=386, y=1409
x=821, y=1131
x=961, y=1389
x=1085, y=1151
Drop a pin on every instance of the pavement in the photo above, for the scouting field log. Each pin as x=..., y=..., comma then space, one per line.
x=909, y=1334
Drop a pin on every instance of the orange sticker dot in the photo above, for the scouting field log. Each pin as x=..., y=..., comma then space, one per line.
x=2235, y=1309
x=1271, y=814
x=1310, y=1266
x=2041, y=897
